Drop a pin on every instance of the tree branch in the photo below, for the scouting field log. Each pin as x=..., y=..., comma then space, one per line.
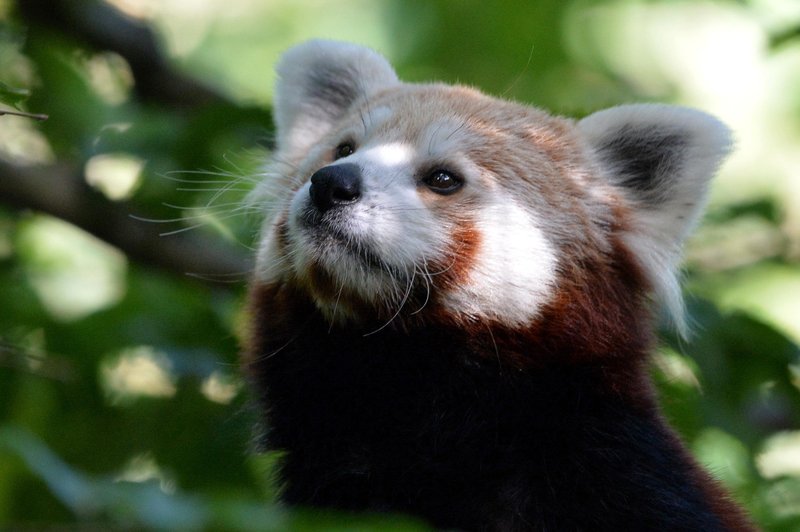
x=779, y=39
x=34, y=116
x=101, y=26
x=60, y=191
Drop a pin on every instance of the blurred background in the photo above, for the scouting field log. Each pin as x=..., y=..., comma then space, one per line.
x=124, y=251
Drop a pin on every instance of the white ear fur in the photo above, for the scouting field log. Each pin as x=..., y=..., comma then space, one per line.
x=662, y=157
x=318, y=81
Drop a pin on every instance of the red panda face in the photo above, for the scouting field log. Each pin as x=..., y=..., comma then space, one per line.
x=406, y=205
x=396, y=200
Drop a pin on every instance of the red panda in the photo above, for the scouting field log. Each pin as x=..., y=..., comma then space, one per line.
x=450, y=314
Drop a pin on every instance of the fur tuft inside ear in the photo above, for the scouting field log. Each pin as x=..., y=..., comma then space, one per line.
x=662, y=158
x=318, y=81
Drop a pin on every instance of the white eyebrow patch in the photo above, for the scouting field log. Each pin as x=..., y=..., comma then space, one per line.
x=387, y=155
x=444, y=137
x=377, y=116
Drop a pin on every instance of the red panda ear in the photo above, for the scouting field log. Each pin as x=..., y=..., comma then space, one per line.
x=662, y=158
x=318, y=81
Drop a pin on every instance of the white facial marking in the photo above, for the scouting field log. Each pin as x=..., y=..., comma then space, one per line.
x=391, y=215
x=387, y=155
x=515, y=268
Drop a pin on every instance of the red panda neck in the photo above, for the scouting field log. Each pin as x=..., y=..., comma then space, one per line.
x=606, y=331
x=440, y=407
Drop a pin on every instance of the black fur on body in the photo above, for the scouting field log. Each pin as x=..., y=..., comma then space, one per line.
x=429, y=424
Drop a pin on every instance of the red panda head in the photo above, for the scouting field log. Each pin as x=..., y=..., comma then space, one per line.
x=404, y=203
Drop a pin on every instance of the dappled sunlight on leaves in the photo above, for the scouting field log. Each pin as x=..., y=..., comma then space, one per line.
x=121, y=401
x=135, y=372
x=115, y=175
x=780, y=456
x=220, y=388
x=73, y=273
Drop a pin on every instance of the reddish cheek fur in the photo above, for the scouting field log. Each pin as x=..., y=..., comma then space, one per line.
x=599, y=309
x=599, y=305
x=453, y=270
x=598, y=315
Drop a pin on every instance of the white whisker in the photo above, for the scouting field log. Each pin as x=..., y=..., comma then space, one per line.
x=399, y=309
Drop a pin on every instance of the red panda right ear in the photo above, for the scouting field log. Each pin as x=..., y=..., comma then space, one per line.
x=318, y=82
x=661, y=157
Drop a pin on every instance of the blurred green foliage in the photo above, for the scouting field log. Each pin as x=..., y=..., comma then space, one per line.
x=120, y=401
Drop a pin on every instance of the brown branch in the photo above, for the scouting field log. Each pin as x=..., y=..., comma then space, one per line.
x=101, y=26
x=34, y=116
x=60, y=191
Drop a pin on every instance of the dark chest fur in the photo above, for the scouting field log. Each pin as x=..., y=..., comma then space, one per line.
x=421, y=424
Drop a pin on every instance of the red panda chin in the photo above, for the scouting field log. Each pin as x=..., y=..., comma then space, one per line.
x=349, y=288
x=340, y=304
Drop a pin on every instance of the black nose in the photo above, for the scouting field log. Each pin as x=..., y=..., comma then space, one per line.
x=335, y=185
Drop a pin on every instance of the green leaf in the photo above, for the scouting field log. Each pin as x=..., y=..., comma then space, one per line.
x=13, y=96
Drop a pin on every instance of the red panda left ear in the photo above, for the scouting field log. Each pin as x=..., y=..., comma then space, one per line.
x=318, y=81
x=661, y=158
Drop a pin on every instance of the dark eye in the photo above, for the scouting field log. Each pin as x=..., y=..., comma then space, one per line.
x=442, y=182
x=343, y=150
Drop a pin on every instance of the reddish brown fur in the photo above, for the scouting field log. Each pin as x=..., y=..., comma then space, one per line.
x=455, y=268
x=275, y=309
x=731, y=514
